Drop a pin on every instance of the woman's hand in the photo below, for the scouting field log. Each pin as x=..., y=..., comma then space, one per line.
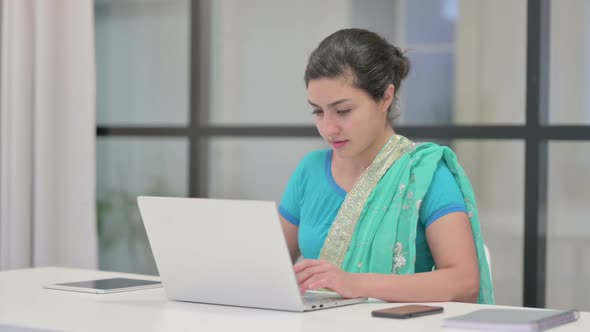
x=315, y=274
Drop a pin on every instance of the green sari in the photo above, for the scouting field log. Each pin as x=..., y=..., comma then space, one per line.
x=375, y=228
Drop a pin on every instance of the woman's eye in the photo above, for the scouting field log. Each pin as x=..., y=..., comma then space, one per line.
x=317, y=112
x=342, y=112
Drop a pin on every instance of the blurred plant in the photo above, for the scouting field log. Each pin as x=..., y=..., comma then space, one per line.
x=123, y=243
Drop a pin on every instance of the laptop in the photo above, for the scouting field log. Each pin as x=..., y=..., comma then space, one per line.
x=228, y=252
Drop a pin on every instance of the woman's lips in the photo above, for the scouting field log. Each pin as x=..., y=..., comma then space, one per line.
x=338, y=144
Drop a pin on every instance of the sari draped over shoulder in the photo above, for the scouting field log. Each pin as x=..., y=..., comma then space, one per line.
x=375, y=228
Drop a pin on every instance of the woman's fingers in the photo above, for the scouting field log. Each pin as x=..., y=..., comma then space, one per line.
x=316, y=281
x=312, y=273
x=309, y=272
x=320, y=274
x=306, y=263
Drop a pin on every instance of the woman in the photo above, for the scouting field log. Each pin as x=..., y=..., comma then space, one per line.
x=378, y=215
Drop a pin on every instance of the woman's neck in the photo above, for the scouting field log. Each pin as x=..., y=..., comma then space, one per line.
x=353, y=167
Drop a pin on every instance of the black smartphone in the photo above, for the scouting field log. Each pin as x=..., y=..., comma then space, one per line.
x=407, y=311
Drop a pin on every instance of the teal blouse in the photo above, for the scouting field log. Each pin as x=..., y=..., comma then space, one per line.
x=312, y=200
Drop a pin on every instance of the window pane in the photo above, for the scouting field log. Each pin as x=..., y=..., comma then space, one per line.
x=142, y=59
x=255, y=168
x=496, y=171
x=431, y=22
x=568, y=227
x=569, y=100
x=429, y=106
x=258, y=55
x=490, y=62
x=127, y=168
x=457, y=78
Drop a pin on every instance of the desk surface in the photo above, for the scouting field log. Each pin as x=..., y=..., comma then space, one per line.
x=24, y=303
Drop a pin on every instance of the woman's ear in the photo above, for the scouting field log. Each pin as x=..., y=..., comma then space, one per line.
x=387, y=99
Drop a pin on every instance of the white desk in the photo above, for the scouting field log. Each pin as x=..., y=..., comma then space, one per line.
x=24, y=303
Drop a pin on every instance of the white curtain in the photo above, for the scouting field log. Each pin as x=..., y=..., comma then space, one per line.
x=47, y=134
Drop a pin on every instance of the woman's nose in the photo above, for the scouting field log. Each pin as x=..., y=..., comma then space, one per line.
x=331, y=127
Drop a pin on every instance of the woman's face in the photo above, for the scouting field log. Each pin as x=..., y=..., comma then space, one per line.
x=347, y=117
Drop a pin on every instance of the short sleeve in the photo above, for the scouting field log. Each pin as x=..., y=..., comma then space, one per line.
x=443, y=197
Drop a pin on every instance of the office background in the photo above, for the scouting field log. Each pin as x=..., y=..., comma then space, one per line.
x=206, y=98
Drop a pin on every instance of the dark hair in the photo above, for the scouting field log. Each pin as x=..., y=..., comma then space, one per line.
x=369, y=58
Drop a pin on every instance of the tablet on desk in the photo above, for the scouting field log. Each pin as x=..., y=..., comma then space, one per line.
x=105, y=286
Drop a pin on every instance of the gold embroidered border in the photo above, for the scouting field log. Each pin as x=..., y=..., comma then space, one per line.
x=338, y=238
